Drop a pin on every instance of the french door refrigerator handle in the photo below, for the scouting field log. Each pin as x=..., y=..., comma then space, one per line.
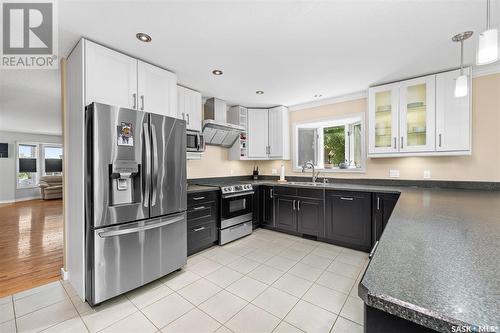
x=147, y=167
x=162, y=223
x=155, y=165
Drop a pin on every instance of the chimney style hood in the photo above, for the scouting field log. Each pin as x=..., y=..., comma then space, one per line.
x=216, y=130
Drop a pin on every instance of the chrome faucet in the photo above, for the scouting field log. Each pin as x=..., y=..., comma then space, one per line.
x=310, y=165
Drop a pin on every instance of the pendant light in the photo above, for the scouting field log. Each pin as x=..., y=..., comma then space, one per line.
x=461, y=84
x=487, y=46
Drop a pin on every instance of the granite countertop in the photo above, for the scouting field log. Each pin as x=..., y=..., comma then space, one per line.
x=191, y=188
x=437, y=262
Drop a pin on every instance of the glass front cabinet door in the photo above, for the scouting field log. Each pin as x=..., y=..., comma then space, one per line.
x=417, y=114
x=384, y=119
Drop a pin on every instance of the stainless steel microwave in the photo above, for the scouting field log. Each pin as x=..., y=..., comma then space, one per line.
x=195, y=142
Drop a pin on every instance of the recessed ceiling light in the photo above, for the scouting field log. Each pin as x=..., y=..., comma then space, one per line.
x=217, y=72
x=259, y=92
x=143, y=37
x=317, y=95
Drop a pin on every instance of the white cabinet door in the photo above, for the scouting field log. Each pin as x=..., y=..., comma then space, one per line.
x=257, y=135
x=157, y=90
x=110, y=77
x=417, y=114
x=181, y=105
x=278, y=133
x=384, y=119
x=453, y=118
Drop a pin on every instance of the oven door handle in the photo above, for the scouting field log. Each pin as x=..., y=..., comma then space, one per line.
x=226, y=196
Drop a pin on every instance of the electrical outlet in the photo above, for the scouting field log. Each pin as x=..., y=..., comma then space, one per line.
x=394, y=173
x=427, y=174
x=274, y=171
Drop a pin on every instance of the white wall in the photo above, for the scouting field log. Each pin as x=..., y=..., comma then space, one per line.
x=8, y=191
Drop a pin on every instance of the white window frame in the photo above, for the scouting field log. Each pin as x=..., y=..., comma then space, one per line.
x=358, y=117
x=42, y=157
x=37, y=179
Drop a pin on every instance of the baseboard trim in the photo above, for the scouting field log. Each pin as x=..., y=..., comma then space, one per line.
x=64, y=274
x=28, y=198
x=7, y=201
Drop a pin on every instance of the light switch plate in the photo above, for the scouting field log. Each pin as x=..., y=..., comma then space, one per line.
x=393, y=173
x=274, y=171
x=427, y=174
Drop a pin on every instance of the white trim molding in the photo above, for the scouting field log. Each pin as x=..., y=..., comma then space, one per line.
x=331, y=100
x=478, y=71
x=64, y=274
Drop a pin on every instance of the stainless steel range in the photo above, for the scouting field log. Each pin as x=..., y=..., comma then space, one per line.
x=236, y=212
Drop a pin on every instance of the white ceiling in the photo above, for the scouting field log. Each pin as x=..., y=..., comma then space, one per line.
x=292, y=50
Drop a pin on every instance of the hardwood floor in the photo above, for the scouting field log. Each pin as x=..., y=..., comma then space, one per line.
x=31, y=244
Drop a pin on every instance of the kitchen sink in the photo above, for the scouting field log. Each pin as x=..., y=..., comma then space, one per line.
x=306, y=183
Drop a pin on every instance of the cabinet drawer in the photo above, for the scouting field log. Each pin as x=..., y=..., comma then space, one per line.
x=201, y=236
x=198, y=198
x=310, y=193
x=201, y=213
x=285, y=190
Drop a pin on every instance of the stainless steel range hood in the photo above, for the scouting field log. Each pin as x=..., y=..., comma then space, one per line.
x=216, y=130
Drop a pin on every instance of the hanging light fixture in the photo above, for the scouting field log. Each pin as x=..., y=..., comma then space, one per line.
x=461, y=84
x=487, y=46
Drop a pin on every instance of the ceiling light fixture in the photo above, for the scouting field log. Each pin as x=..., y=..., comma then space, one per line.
x=143, y=37
x=317, y=95
x=461, y=84
x=259, y=92
x=487, y=46
x=217, y=72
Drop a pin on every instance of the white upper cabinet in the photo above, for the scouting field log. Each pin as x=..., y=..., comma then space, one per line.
x=117, y=79
x=156, y=90
x=110, y=77
x=257, y=133
x=189, y=107
x=266, y=135
x=419, y=117
x=453, y=118
x=417, y=114
x=384, y=118
x=278, y=133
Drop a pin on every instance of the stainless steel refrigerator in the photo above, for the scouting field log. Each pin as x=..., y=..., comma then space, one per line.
x=135, y=199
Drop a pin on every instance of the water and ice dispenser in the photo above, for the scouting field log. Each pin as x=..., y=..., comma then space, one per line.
x=124, y=182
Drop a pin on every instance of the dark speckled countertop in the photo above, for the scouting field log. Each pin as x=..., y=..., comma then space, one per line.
x=438, y=261
x=200, y=188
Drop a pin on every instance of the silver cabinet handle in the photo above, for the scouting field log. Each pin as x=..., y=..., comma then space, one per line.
x=198, y=208
x=199, y=229
x=183, y=116
x=401, y=142
x=439, y=139
x=142, y=102
x=347, y=198
x=271, y=194
x=378, y=203
x=198, y=198
x=155, y=165
x=187, y=116
x=298, y=204
x=134, y=97
x=162, y=223
x=395, y=145
x=293, y=205
x=147, y=168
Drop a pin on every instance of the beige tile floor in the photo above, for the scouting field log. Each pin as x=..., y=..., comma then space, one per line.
x=266, y=282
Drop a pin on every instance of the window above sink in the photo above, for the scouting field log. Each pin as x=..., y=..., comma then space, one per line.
x=334, y=144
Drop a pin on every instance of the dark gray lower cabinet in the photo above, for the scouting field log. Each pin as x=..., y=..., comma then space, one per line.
x=383, y=205
x=348, y=219
x=310, y=219
x=266, y=205
x=202, y=217
x=285, y=217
